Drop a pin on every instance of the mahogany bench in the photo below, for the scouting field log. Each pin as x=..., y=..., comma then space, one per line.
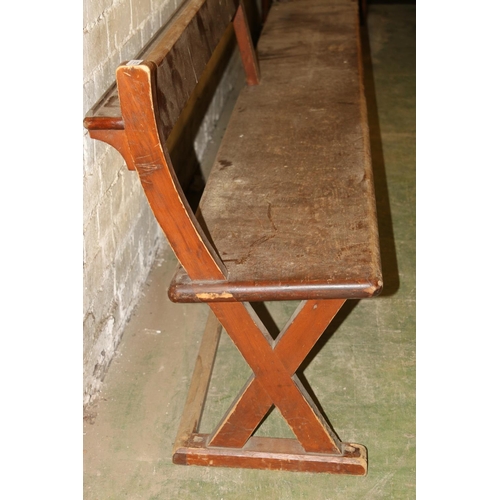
x=288, y=211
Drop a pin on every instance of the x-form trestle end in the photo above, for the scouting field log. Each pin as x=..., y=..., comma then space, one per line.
x=274, y=362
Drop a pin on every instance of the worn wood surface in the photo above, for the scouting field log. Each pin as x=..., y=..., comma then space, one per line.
x=181, y=62
x=290, y=201
x=180, y=142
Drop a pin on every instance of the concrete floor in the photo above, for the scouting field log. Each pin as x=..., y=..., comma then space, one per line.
x=363, y=372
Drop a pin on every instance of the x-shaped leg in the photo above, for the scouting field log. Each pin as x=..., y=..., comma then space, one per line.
x=274, y=364
x=316, y=449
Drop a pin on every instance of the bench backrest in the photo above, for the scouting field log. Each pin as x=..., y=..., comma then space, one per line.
x=181, y=50
x=137, y=115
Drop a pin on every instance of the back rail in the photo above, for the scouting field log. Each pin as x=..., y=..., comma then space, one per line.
x=180, y=50
x=152, y=93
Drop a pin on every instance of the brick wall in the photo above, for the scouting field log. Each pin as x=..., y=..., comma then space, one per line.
x=121, y=237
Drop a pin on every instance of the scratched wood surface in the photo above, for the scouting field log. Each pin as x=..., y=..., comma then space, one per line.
x=290, y=203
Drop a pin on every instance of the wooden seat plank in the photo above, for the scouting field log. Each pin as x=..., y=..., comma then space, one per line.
x=290, y=199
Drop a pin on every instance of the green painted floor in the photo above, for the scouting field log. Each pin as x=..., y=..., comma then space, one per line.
x=363, y=372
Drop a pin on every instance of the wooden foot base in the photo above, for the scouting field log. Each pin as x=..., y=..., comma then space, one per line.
x=271, y=454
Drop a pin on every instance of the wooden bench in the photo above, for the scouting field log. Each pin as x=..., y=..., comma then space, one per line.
x=288, y=211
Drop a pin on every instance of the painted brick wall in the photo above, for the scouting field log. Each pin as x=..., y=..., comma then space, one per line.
x=121, y=237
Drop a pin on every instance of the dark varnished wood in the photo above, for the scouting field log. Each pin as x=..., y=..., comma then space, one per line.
x=106, y=113
x=182, y=54
x=237, y=448
x=265, y=6
x=184, y=289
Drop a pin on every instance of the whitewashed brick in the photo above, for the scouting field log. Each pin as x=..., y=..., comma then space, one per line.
x=104, y=304
x=127, y=290
x=95, y=46
x=131, y=184
x=119, y=24
x=107, y=71
x=89, y=166
x=89, y=95
x=104, y=215
x=91, y=195
x=133, y=208
x=146, y=31
x=101, y=149
x=93, y=275
x=102, y=78
x=117, y=198
x=93, y=10
x=131, y=47
x=123, y=261
x=141, y=10
x=96, y=363
x=167, y=10
x=106, y=234
x=110, y=168
x=89, y=327
x=91, y=245
x=154, y=21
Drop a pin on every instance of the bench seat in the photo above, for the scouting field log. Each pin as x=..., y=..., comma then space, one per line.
x=289, y=204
